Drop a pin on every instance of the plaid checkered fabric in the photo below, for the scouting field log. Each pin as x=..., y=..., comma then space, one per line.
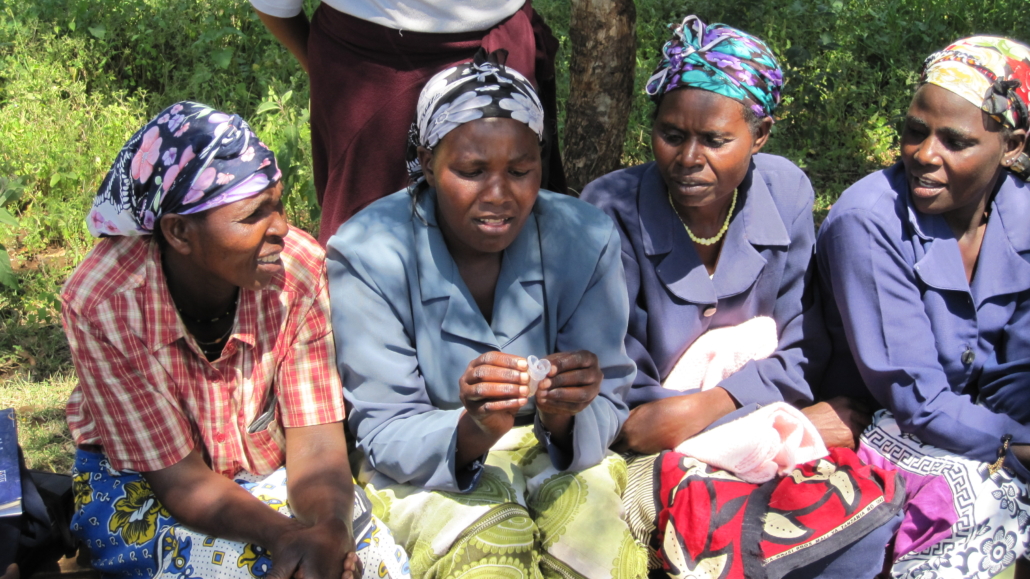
x=148, y=395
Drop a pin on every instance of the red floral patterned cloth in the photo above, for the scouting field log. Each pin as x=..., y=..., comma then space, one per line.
x=712, y=524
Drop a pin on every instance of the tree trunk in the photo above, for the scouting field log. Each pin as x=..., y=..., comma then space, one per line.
x=604, y=44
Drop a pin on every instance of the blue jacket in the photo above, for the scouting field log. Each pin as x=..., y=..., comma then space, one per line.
x=406, y=328
x=763, y=270
x=909, y=330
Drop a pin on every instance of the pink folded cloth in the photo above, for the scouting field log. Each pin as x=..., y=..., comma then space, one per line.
x=768, y=442
x=721, y=352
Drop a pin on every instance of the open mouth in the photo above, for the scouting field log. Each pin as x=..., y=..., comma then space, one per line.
x=493, y=223
x=691, y=185
x=925, y=186
x=270, y=259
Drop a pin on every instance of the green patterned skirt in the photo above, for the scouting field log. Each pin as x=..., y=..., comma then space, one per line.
x=524, y=519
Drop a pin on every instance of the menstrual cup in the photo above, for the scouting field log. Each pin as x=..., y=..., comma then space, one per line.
x=538, y=370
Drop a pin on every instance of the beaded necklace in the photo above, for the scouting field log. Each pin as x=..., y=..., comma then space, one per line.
x=710, y=240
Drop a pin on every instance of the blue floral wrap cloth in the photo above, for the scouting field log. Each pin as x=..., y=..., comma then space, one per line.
x=130, y=533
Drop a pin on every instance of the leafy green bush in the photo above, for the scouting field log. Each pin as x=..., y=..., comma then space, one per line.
x=851, y=67
x=10, y=191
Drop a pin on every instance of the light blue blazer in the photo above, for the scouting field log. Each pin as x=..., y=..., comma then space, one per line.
x=406, y=328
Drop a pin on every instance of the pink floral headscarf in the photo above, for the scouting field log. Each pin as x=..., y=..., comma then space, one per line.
x=187, y=159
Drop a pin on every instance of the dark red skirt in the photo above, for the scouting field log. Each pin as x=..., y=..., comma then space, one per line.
x=365, y=83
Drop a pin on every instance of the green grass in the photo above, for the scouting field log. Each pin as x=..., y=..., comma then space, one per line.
x=77, y=77
x=42, y=431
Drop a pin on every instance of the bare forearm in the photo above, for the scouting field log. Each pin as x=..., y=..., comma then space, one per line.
x=560, y=428
x=323, y=495
x=700, y=413
x=291, y=32
x=473, y=442
x=319, y=480
x=213, y=504
x=664, y=424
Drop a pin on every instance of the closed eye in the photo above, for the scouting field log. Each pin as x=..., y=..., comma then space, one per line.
x=672, y=137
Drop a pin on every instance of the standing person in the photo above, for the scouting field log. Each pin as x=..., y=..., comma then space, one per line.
x=369, y=59
x=438, y=299
x=199, y=329
x=925, y=270
x=717, y=240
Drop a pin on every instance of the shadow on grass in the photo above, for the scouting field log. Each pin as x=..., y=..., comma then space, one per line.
x=44, y=437
x=35, y=352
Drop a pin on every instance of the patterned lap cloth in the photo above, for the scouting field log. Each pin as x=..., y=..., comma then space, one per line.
x=961, y=520
x=130, y=534
x=523, y=519
x=711, y=524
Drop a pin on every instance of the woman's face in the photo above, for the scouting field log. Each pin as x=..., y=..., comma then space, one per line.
x=703, y=145
x=487, y=175
x=240, y=243
x=952, y=151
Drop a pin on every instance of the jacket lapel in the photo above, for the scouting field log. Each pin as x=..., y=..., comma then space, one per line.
x=666, y=241
x=758, y=224
x=515, y=309
x=1001, y=269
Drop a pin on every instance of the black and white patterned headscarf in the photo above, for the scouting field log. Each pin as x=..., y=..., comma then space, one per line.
x=479, y=89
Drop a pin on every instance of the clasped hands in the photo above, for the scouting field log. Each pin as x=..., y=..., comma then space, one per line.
x=496, y=385
x=324, y=550
x=664, y=424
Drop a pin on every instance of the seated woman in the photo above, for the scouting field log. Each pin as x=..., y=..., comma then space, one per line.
x=927, y=287
x=199, y=328
x=717, y=240
x=438, y=299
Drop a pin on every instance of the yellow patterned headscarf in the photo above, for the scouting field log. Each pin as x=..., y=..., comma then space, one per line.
x=991, y=72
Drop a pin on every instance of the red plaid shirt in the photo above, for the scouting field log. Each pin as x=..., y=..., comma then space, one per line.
x=148, y=395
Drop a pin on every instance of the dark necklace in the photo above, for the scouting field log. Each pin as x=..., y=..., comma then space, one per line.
x=214, y=342
x=228, y=312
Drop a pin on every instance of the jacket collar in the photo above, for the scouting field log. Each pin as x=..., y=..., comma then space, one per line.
x=515, y=309
x=1000, y=268
x=757, y=223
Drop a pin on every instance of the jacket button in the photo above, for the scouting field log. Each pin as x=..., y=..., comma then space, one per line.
x=709, y=311
x=968, y=356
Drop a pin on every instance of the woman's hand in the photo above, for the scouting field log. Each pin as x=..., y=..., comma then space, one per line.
x=571, y=385
x=663, y=424
x=321, y=551
x=321, y=497
x=492, y=389
x=840, y=421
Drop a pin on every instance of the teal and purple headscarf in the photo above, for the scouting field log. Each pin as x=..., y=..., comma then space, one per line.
x=721, y=59
x=187, y=159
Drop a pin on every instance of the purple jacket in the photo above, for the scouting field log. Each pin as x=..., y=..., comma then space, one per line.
x=763, y=270
x=950, y=359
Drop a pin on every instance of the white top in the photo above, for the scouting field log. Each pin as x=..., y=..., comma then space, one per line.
x=440, y=16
